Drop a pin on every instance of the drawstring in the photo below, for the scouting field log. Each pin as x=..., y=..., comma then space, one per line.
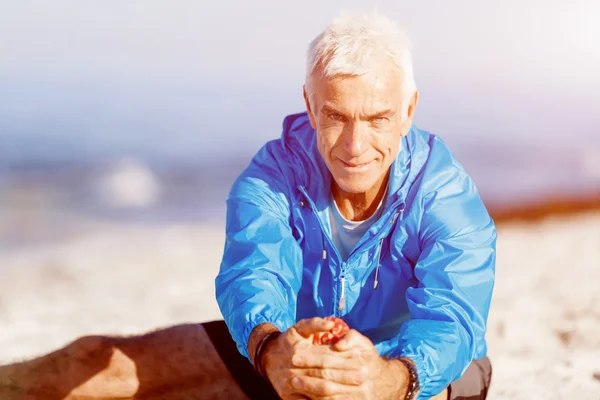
x=376, y=281
x=324, y=254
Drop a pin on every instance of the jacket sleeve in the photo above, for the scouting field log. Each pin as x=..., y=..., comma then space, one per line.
x=455, y=273
x=261, y=270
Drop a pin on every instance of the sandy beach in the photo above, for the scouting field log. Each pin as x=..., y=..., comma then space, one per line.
x=543, y=332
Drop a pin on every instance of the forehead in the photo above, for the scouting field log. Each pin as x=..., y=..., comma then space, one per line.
x=380, y=86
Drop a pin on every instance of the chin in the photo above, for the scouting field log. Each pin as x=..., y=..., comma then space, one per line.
x=355, y=185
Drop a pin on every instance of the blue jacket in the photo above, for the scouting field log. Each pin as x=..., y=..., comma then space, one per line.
x=434, y=245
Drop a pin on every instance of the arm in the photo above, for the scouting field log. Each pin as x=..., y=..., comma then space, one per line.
x=261, y=270
x=260, y=277
x=455, y=271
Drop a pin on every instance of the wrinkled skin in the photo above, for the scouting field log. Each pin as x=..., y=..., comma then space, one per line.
x=352, y=368
x=359, y=121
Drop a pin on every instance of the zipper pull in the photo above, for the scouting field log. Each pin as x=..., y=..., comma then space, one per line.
x=342, y=305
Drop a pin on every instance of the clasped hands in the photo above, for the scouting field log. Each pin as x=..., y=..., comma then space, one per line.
x=350, y=369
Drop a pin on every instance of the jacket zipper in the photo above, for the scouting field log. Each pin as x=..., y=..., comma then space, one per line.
x=388, y=225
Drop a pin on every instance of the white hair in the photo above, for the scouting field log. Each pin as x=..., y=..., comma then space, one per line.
x=353, y=44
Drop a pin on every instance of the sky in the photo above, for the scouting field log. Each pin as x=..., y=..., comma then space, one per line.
x=177, y=79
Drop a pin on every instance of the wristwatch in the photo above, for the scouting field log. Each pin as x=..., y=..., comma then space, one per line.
x=413, y=380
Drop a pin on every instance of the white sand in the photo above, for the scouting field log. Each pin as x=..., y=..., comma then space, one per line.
x=544, y=328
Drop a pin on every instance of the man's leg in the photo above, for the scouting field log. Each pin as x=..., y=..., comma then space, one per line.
x=175, y=363
x=474, y=384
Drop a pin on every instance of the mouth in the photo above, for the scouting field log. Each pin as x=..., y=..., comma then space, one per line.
x=355, y=167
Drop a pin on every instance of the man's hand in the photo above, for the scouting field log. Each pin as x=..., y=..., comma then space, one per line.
x=284, y=357
x=371, y=376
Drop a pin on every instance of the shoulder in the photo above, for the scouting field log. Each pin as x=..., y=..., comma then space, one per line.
x=281, y=164
x=431, y=166
x=449, y=199
x=264, y=182
x=442, y=173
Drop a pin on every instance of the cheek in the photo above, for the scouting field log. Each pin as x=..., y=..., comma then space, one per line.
x=387, y=143
x=325, y=145
x=393, y=142
x=393, y=147
x=327, y=137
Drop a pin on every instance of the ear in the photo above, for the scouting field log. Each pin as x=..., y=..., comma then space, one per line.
x=311, y=116
x=413, y=105
x=410, y=113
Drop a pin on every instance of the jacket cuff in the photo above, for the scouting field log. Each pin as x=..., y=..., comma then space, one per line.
x=259, y=319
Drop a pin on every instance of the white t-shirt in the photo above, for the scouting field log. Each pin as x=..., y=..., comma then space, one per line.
x=346, y=234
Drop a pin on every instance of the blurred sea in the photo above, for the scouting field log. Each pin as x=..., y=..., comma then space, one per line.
x=47, y=197
x=75, y=154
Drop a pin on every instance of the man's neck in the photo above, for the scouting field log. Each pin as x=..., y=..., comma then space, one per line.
x=359, y=206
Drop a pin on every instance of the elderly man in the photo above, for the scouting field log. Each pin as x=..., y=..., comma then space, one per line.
x=354, y=213
x=357, y=213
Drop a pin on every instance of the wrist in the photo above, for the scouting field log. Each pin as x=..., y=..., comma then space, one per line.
x=401, y=376
x=256, y=337
x=412, y=380
x=264, y=359
x=260, y=340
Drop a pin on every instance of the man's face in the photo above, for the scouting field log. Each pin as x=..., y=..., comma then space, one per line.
x=359, y=121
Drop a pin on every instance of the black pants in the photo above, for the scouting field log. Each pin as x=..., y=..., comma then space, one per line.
x=472, y=385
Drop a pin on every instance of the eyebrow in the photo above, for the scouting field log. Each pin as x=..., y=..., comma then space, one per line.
x=329, y=109
x=383, y=113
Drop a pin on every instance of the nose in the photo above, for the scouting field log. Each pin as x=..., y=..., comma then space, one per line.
x=355, y=139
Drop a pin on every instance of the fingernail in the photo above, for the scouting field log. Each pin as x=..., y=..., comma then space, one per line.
x=296, y=382
x=298, y=361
